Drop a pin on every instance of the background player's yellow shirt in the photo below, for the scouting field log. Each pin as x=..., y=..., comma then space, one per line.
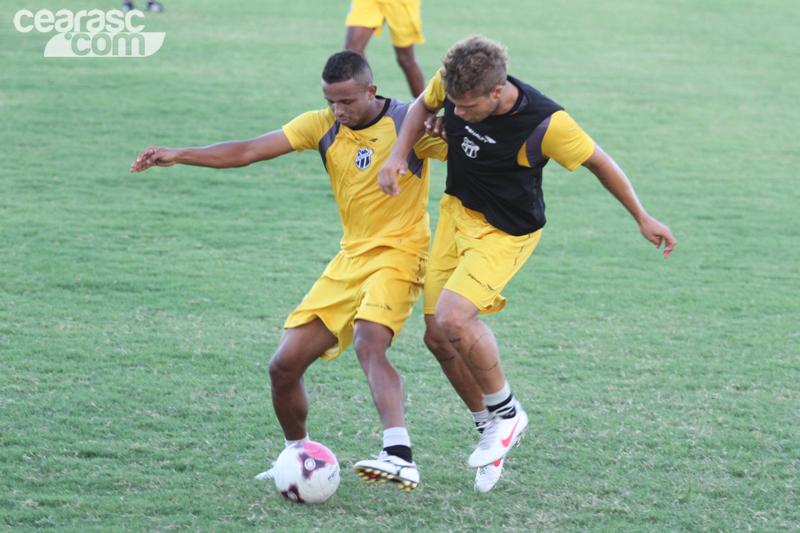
x=352, y=158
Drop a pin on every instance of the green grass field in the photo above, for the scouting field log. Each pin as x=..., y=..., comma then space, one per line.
x=138, y=312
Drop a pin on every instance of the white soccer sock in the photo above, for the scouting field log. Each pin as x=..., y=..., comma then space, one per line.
x=290, y=442
x=396, y=437
x=497, y=398
x=480, y=417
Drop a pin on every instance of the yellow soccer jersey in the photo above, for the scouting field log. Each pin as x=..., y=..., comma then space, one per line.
x=352, y=158
x=435, y=93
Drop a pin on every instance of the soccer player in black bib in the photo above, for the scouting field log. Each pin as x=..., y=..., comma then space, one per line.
x=500, y=132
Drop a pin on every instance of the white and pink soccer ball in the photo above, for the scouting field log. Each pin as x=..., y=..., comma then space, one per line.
x=306, y=472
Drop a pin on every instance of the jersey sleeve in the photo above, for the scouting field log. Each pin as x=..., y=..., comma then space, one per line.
x=434, y=93
x=305, y=131
x=565, y=141
x=431, y=148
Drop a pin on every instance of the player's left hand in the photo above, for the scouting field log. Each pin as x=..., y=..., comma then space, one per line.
x=434, y=127
x=658, y=233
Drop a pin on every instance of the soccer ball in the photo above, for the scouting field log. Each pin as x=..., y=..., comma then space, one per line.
x=306, y=472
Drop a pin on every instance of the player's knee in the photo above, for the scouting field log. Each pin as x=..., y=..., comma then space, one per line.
x=354, y=46
x=450, y=321
x=369, y=349
x=435, y=341
x=371, y=340
x=405, y=57
x=281, y=372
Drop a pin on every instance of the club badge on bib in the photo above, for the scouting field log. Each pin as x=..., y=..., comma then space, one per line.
x=470, y=148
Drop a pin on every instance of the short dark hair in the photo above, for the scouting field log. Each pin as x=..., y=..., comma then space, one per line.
x=346, y=65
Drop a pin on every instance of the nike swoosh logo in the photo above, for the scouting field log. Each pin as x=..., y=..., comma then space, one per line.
x=505, y=442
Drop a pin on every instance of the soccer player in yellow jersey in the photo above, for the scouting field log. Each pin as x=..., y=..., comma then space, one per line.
x=366, y=18
x=500, y=132
x=368, y=290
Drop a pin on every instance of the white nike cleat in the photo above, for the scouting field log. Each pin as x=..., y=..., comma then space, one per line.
x=266, y=475
x=387, y=467
x=499, y=436
x=487, y=476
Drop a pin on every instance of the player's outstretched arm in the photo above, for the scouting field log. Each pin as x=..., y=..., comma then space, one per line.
x=412, y=130
x=222, y=155
x=614, y=179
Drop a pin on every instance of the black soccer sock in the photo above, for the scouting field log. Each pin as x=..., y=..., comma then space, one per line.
x=505, y=409
x=403, y=452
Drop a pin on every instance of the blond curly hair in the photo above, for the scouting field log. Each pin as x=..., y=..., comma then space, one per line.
x=473, y=66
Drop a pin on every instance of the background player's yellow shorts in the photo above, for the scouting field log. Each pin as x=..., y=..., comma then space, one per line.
x=403, y=17
x=381, y=286
x=473, y=258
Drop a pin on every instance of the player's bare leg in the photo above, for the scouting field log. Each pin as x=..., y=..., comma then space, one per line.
x=467, y=388
x=412, y=70
x=395, y=463
x=458, y=318
x=371, y=341
x=453, y=366
x=298, y=348
x=356, y=38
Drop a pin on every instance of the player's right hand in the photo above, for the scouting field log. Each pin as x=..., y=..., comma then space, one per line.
x=154, y=156
x=387, y=176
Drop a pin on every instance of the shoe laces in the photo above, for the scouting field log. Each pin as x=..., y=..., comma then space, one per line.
x=487, y=437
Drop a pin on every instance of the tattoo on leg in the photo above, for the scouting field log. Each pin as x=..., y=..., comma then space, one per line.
x=472, y=360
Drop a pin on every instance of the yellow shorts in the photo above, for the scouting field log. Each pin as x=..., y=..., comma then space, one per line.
x=381, y=286
x=405, y=24
x=473, y=258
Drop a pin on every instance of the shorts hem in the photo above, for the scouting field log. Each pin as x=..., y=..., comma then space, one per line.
x=306, y=318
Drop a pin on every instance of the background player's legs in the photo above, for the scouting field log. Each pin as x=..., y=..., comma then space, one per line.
x=298, y=348
x=412, y=70
x=371, y=340
x=150, y=5
x=356, y=38
x=453, y=366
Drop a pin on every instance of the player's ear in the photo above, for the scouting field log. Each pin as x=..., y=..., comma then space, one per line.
x=496, y=91
x=372, y=90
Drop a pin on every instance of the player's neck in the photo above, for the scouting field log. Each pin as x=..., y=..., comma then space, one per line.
x=375, y=110
x=507, y=99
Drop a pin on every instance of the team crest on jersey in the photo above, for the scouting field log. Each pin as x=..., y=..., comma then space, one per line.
x=470, y=148
x=364, y=158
